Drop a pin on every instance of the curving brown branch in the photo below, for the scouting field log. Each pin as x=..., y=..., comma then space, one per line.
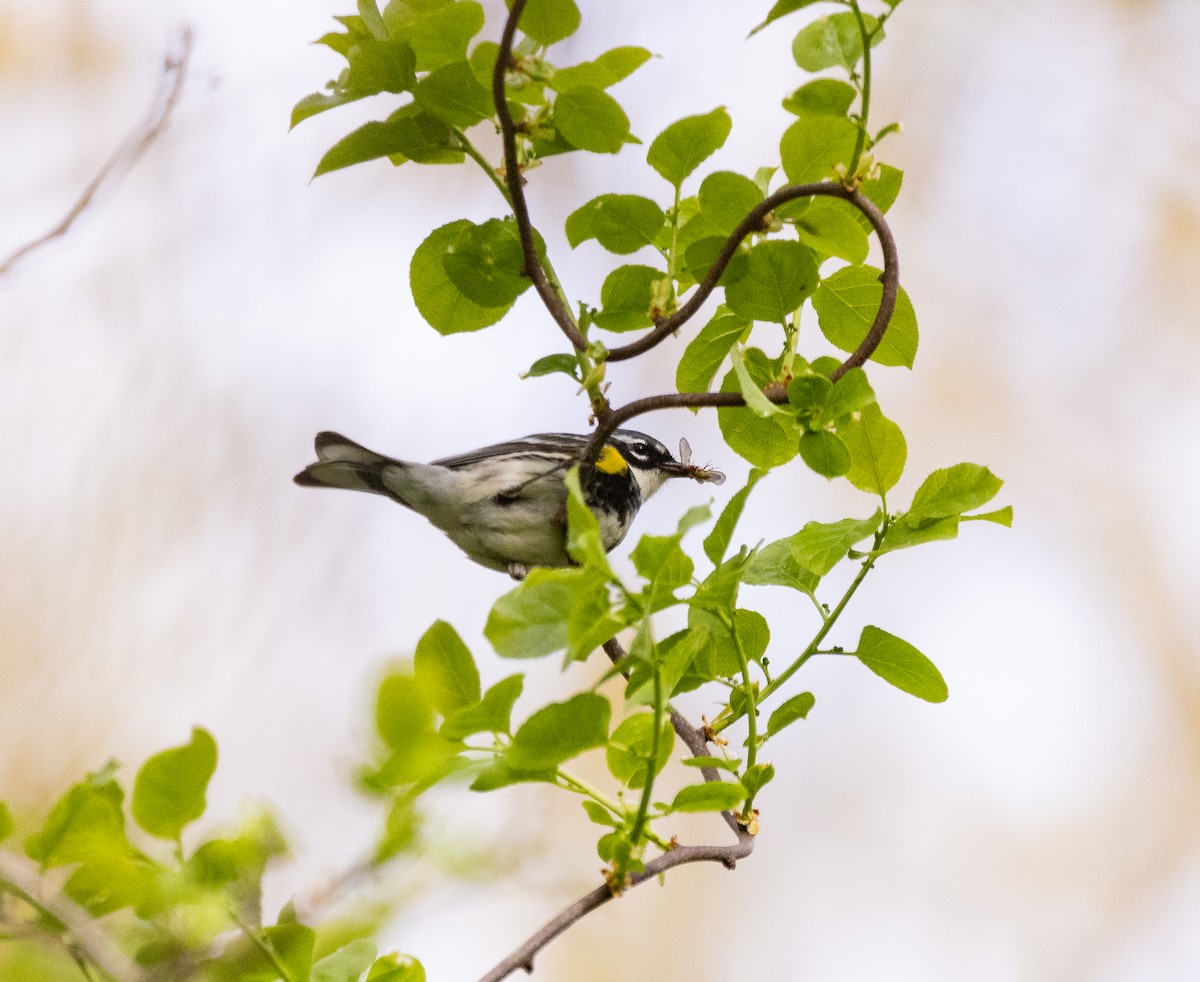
x=166, y=95
x=516, y=186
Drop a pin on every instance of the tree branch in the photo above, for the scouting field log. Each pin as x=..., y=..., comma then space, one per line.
x=83, y=935
x=131, y=149
x=516, y=187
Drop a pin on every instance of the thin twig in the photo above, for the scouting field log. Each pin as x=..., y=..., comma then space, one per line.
x=85, y=936
x=131, y=149
x=516, y=189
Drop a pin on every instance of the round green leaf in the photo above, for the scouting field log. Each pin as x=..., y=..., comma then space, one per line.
x=813, y=147
x=779, y=275
x=726, y=198
x=831, y=41
x=590, y=119
x=169, y=791
x=621, y=223
x=560, y=731
x=629, y=747
x=445, y=670
x=824, y=453
x=403, y=716
x=627, y=298
x=549, y=21
x=764, y=441
x=684, y=145
x=821, y=97
x=877, y=450
x=443, y=305
x=486, y=263
x=846, y=304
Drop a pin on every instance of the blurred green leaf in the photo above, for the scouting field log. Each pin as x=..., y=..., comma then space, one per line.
x=379, y=66
x=439, y=300
x=795, y=708
x=684, y=145
x=897, y=662
x=712, y=796
x=319, y=102
x=408, y=134
x=6, y=822
x=833, y=41
x=169, y=791
x=591, y=119
x=779, y=276
x=490, y=715
x=396, y=968
x=608, y=69
x=403, y=716
x=813, y=147
x=499, y=774
x=531, y=620
x=347, y=964
x=846, y=304
x=821, y=97
x=549, y=21
x=445, y=670
x=440, y=36
x=629, y=749
x=560, y=731
x=454, y=95
x=877, y=450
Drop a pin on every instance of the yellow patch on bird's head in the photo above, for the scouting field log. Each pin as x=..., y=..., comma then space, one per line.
x=610, y=461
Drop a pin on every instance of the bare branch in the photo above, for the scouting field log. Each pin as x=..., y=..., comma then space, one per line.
x=82, y=934
x=516, y=187
x=131, y=149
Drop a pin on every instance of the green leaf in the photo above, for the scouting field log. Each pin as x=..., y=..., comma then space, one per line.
x=824, y=453
x=846, y=304
x=551, y=364
x=453, y=94
x=756, y=400
x=87, y=817
x=807, y=395
x=440, y=302
x=440, y=37
x=851, y=393
x=599, y=814
x=629, y=749
x=821, y=97
x=628, y=296
x=291, y=946
x=757, y=777
x=705, y=352
x=621, y=223
x=833, y=41
x=6, y=822
x=485, y=263
x=445, y=670
x=492, y=714
x=829, y=227
x=897, y=662
x=952, y=491
x=883, y=190
x=319, y=102
x=781, y=9
x=814, y=146
x=902, y=535
x=590, y=119
x=726, y=198
x=584, y=544
x=396, y=968
x=1001, y=516
x=720, y=763
x=608, y=69
x=684, y=145
x=661, y=561
x=408, y=134
x=789, y=711
x=169, y=791
x=347, y=964
x=403, y=716
x=780, y=274
x=368, y=12
x=379, y=66
x=499, y=774
x=712, y=796
x=560, y=731
x=531, y=620
x=877, y=450
x=776, y=565
x=716, y=544
x=764, y=442
x=820, y=546
x=549, y=21
x=717, y=593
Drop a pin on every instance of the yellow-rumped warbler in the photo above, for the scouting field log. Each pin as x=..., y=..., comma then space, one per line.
x=505, y=505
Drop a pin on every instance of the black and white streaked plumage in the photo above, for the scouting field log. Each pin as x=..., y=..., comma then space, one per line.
x=505, y=505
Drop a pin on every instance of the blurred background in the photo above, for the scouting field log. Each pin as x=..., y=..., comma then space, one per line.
x=164, y=367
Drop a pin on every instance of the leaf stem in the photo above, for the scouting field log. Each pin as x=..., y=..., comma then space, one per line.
x=865, y=107
x=472, y=151
x=639, y=821
x=261, y=944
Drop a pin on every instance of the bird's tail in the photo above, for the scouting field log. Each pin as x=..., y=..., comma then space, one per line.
x=342, y=463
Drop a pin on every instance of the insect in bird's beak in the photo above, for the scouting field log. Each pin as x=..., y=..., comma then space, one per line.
x=687, y=469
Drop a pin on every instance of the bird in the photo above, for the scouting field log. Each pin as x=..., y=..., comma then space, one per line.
x=505, y=505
